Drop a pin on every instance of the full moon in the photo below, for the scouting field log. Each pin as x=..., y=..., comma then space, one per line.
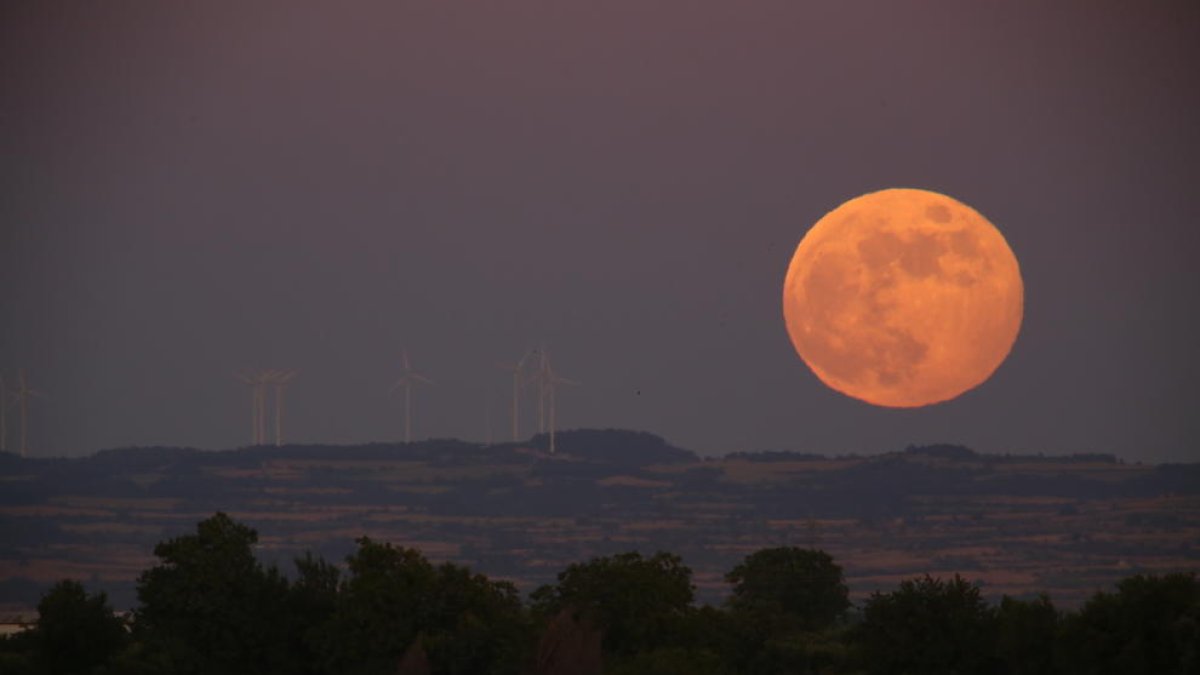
x=903, y=298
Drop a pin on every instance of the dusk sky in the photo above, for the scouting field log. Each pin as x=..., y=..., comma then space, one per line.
x=194, y=189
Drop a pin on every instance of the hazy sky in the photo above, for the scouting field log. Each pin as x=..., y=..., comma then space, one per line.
x=189, y=189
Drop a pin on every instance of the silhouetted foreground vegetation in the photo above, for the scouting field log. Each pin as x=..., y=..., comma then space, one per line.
x=210, y=607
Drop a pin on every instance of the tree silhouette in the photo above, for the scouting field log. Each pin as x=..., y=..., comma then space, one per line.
x=76, y=633
x=804, y=588
x=638, y=602
x=210, y=607
x=1150, y=625
x=1024, y=636
x=311, y=602
x=929, y=627
x=470, y=625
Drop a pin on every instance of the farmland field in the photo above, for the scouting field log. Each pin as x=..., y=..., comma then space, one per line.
x=1014, y=525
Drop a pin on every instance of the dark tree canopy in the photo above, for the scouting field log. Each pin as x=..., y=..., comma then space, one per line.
x=805, y=586
x=312, y=600
x=1150, y=625
x=1024, y=636
x=210, y=607
x=391, y=595
x=636, y=601
x=783, y=612
x=76, y=633
x=929, y=627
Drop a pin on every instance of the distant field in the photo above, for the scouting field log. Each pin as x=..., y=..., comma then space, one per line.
x=1015, y=525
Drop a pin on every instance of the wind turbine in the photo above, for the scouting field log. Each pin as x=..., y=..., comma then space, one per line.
x=487, y=418
x=517, y=369
x=537, y=378
x=280, y=378
x=3, y=415
x=257, y=381
x=548, y=381
x=23, y=394
x=407, y=378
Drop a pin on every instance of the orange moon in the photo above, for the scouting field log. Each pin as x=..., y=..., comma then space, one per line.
x=903, y=298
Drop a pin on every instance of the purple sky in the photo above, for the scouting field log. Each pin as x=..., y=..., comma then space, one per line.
x=189, y=191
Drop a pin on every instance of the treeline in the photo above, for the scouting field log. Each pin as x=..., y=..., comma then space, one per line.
x=210, y=607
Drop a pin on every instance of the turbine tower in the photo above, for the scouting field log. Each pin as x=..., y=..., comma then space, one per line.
x=487, y=418
x=407, y=378
x=3, y=415
x=281, y=379
x=548, y=381
x=537, y=377
x=517, y=369
x=257, y=381
x=23, y=394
